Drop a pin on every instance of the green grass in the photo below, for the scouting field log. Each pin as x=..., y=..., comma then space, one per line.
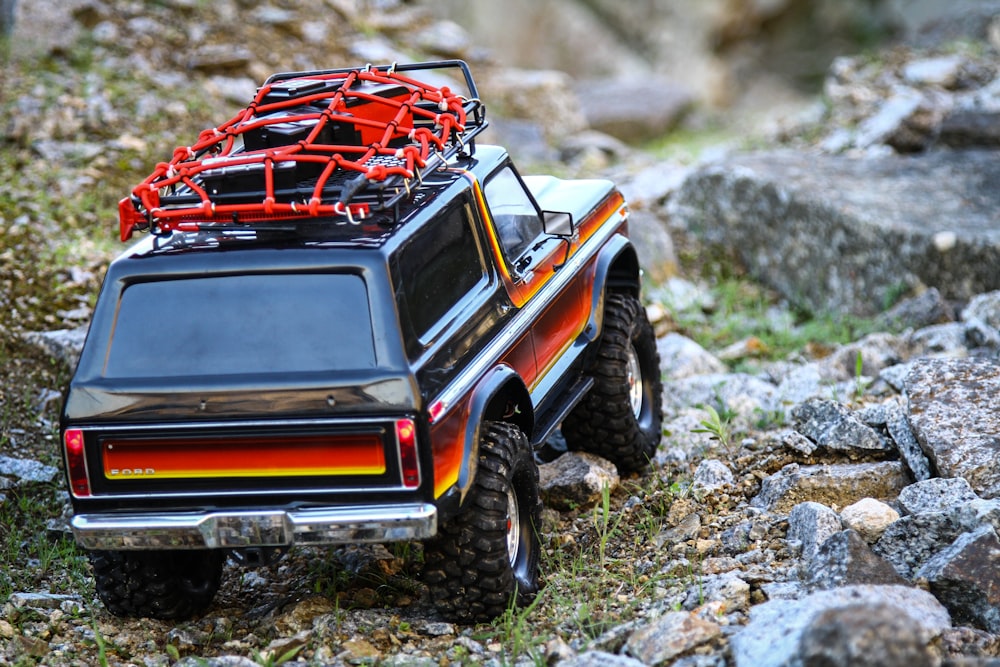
x=743, y=309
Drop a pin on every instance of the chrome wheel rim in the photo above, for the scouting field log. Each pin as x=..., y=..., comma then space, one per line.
x=634, y=377
x=513, y=527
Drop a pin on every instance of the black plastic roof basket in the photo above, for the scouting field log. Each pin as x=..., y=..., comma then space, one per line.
x=329, y=143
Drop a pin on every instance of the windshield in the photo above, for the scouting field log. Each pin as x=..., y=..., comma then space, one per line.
x=227, y=325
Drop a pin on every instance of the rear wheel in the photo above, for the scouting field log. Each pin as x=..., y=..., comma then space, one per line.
x=620, y=418
x=487, y=554
x=157, y=584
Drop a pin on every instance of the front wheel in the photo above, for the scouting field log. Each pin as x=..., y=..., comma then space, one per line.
x=621, y=416
x=487, y=555
x=166, y=585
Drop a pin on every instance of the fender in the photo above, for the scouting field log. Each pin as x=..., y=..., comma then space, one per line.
x=617, y=266
x=484, y=406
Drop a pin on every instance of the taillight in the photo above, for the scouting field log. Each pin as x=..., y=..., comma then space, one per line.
x=76, y=463
x=406, y=435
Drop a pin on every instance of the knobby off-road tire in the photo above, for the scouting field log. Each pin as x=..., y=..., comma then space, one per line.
x=157, y=584
x=487, y=554
x=620, y=418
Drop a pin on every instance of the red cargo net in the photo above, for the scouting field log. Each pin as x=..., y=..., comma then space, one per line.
x=305, y=147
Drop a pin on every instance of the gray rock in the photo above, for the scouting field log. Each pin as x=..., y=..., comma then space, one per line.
x=834, y=427
x=711, y=475
x=220, y=58
x=26, y=470
x=895, y=376
x=873, y=635
x=954, y=409
x=834, y=485
x=813, y=228
x=681, y=357
x=728, y=589
x=653, y=245
x=669, y=636
x=62, y=344
x=787, y=438
x=576, y=479
x=601, y=659
x=609, y=105
x=869, y=517
x=906, y=443
x=939, y=71
x=744, y=395
x=926, y=309
x=773, y=636
x=984, y=308
x=936, y=495
x=811, y=524
x=940, y=339
x=910, y=542
x=970, y=128
x=813, y=380
x=965, y=577
x=846, y=559
x=41, y=601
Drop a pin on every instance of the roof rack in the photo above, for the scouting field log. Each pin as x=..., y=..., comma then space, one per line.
x=329, y=143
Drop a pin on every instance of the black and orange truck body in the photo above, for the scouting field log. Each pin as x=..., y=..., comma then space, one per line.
x=307, y=350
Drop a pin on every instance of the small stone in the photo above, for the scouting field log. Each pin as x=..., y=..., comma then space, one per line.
x=576, y=479
x=833, y=426
x=711, y=475
x=869, y=517
x=669, y=636
x=437, y=629
x=965, y=577
x=810, y=525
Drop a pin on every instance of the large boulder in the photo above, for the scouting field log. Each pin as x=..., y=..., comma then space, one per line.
x=812, y=226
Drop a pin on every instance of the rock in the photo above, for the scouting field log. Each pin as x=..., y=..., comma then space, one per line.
x=62, y=344
x=743, y=395
x=869, y=517
x=42, y=601
x=282, y=645
x=983, y=308
x=910, y=542
x=954, y=409
x=811, y=524
x=633, y=109
x=965, y=577
x=220, y=58
x=813, y=228
x=543, y=96
x=863, y=636
x=926, y=309
x=728, y=590
x=846, y=559
x=909, y=449
x=836, y=485
x=601, y=659
x=669, y=636
x=939, y=339
x=653, y=245
x=26, y=471
x=834, y=427
x=711, y=475
x=576, y=479
x=790, y=439
x=940, y=71
x=970, y=128
x=681, y=357
x=936, y=495
x=773, y=636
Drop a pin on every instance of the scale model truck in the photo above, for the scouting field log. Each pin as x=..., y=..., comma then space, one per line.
x=349, y=323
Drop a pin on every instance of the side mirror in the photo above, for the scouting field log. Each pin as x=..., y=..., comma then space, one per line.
x=558, y=223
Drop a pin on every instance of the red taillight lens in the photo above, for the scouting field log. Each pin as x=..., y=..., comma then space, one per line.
x=76, y=463
x=406, y=435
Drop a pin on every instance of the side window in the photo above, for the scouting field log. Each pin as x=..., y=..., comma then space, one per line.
x=439, y=266
x=515, y=217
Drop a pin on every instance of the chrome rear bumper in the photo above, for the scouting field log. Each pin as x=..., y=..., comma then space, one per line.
x=264, y=528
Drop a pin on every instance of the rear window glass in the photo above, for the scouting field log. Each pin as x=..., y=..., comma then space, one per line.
x=242, y=324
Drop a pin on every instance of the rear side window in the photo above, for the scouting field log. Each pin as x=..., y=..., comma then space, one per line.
x=227, y=325
x=439, y=266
